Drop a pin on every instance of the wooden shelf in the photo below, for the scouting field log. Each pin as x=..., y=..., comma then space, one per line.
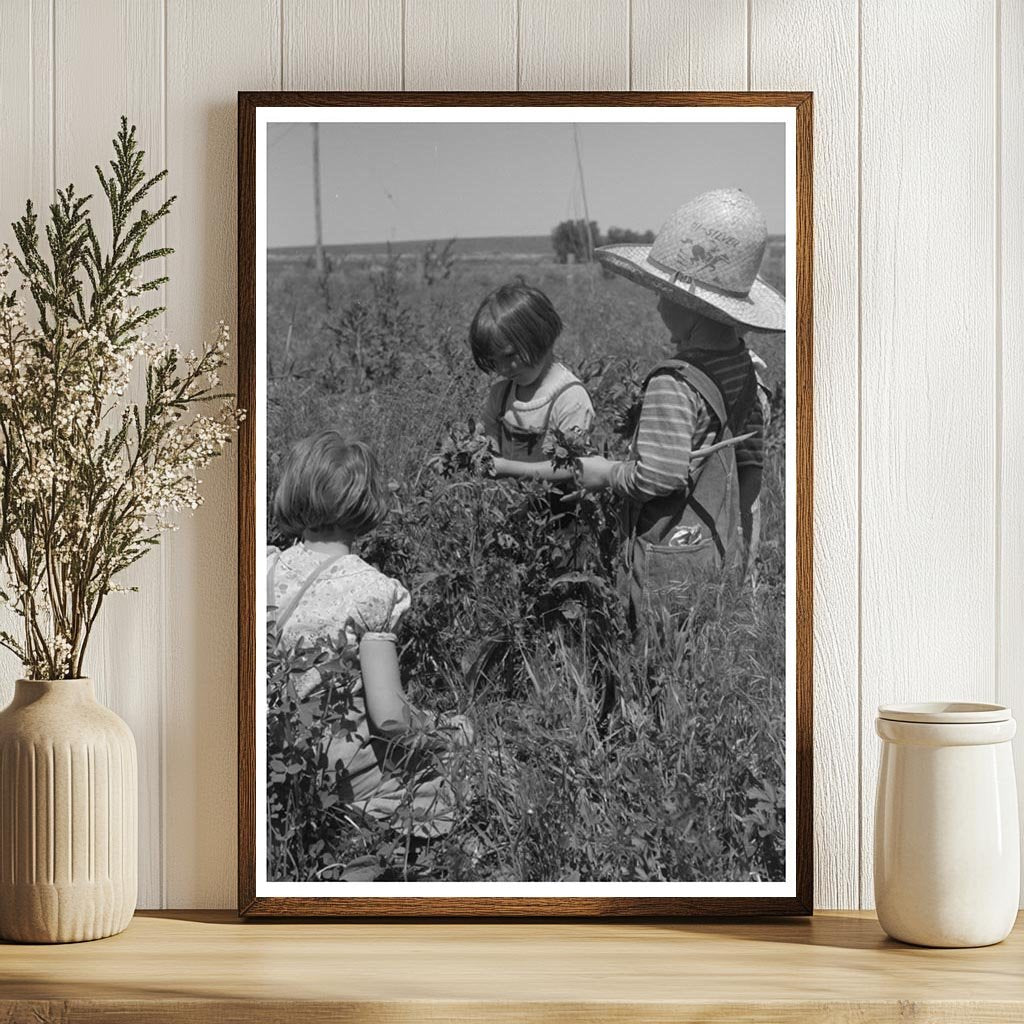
x=199, y=966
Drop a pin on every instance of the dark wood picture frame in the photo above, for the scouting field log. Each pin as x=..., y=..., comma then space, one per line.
x=251, y=905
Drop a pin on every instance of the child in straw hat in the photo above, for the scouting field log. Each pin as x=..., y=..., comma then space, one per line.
x=694, y=469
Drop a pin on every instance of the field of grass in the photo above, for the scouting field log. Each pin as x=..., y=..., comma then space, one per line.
x=592, y=760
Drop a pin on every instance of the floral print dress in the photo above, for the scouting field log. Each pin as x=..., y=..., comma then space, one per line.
x=348, y=592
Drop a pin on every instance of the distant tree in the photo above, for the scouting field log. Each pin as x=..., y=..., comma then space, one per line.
x=624, y=236
x=570, y=238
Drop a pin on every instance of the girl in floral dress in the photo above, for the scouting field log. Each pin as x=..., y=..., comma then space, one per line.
x=330, y=494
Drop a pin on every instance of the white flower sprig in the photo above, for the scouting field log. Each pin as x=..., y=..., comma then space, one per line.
x=88, y=477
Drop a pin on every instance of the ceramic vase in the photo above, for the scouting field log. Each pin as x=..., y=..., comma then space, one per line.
x=947, y=846
x=68, y=815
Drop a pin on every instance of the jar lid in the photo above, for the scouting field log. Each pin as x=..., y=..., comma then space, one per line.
x=945, y=713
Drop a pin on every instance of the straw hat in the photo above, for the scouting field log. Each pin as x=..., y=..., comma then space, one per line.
x=706, y=256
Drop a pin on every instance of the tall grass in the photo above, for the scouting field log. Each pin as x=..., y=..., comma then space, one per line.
x=596, y=757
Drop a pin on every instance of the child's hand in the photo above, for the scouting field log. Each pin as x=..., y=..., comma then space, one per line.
x=595, y=472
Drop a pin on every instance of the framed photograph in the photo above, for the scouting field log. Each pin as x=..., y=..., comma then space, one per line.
x=525, y=502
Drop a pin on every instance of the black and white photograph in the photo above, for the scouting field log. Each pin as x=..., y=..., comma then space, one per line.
x=525, y=465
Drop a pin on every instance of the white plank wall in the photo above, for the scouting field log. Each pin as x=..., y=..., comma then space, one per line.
x=919, y=315
x=126, y=664
x=213, y=50
x=26, y=128
x=349, y=44
x=781, y=59
x=1009, y=261
x=928, y=358
x=698, y=45
x=574, y=44
x=476, y=37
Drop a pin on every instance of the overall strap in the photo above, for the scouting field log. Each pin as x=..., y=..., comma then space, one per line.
x=701, y=382
x=740, y=405
x=709, y=521
x=285, y=613
x=506, y=399
x=561, y=391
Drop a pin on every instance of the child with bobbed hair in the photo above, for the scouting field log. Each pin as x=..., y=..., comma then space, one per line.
x=331, y=493
x=330, y=486
x=513, y=335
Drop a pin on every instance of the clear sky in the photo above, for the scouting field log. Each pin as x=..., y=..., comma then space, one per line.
x=401, y=182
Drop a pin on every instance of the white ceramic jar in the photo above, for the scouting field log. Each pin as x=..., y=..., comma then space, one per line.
x=947, y=846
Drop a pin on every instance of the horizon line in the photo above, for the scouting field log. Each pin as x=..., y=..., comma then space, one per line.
x=438, y=238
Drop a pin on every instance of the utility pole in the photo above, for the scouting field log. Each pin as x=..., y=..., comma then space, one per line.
x=583, y=192
x=320, y=264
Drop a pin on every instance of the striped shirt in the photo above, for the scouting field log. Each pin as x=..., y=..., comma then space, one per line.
x=676, y=420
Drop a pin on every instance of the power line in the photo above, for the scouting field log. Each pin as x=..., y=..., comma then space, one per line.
x=583, y=193
x=320, y=265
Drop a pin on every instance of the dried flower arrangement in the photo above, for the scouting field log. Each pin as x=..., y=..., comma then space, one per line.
x=90, y=476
